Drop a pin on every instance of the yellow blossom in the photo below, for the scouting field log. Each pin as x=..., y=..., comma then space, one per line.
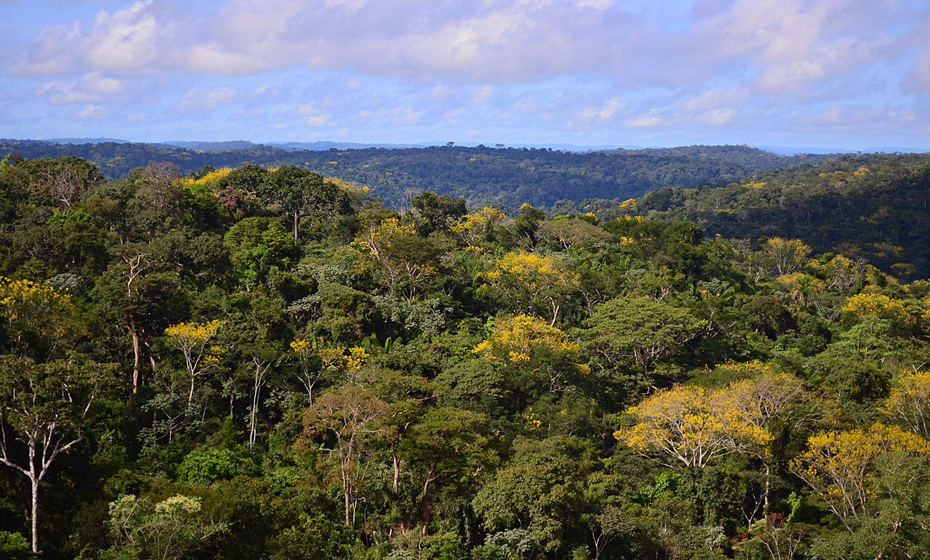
x=517, y=339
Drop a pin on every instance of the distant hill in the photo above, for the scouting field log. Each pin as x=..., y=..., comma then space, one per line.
x=212, y=146
x=873, y=206
x=792, y=151
x=85, y=140
x=506, y=177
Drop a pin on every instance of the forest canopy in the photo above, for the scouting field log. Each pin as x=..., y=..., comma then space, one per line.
x=242, y=362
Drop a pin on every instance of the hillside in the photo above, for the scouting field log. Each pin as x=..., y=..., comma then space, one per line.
x=874, y=207
x=506, y=177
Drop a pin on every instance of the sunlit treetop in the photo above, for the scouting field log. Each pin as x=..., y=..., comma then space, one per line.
x=211, y=178
x=371, y=241
x=693, y=425
x=837, y=464
x=28, y=300
x=909, y=401
x=194, y=333
x=879, y=305
x=517, y=339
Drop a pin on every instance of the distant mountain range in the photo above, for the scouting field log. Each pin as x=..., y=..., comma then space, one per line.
x=321, y=145
x=503, y=176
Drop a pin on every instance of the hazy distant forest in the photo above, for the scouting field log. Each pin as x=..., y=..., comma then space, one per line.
x=463, y=354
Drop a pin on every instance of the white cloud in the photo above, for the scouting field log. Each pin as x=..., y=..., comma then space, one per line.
x=313, y=116
x=598, y=114
x=716, y=117
x=92, y=112
x=649, y=120
x=481, y=95
x=91, y=88
x=200, y=99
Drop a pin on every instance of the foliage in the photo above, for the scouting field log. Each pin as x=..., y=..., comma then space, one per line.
x=164, y=530
x=837, y=464
x=277, y=365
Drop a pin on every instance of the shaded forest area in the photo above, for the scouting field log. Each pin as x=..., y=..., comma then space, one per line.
x=874, y=207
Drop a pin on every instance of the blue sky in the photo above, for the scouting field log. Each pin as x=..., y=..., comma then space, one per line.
x=833, y=73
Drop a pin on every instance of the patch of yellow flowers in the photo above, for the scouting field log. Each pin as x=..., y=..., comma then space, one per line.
x=517, y=338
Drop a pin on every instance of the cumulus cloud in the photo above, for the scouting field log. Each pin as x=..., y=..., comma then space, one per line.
x=200, y=99
x=795, y=42
x=92, y=112
x=92, y=87
x=565, y=65
x=492, y=41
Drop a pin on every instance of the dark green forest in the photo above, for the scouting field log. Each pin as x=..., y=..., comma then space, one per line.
x=505, y=177
x=874, y=207
x=264, y=363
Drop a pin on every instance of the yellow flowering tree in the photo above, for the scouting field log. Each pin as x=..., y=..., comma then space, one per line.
x=868, y=304
x=777, y=257
x=405, y=259
x=527, y=279
x=210, y=179
x=681, y=425
x=34, y=312
x=529, y=346
x=194, y=340
x=837, y=464
x=694, y=425
x=785, y=256
x=909, y=401
x=517, y=339
x=316, y=361
x=476, y=227
x=844, y=274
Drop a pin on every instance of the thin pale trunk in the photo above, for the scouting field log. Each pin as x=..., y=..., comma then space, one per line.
x=765, y=496
x=148, y=349
x=35, y=514
x=424, y=501
x=296, y=226
x=253, y=416
x=395, y=486
x=345, y=492
x=134, y=333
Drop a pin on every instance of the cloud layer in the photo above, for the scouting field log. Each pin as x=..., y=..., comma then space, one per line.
x=581, y=71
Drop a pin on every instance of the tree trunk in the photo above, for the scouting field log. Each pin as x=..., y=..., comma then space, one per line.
x=35, y=514
x=134, y=333
x=253, y=416
x=424, y=503
x=395, y=486
x=346, y=490
x=296, y=226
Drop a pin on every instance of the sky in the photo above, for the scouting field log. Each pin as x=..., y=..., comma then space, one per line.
x=851, y=74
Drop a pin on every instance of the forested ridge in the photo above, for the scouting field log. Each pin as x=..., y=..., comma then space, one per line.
x=263, y=363
x=873, y=207
x=505, y=177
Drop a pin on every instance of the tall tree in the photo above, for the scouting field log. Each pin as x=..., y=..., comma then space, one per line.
x=351, y=415
x=45, y=405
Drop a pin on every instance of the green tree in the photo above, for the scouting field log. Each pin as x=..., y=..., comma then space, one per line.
x=351, y=416
x=436, y=212
x=256, y=246
x=45, y=405
x=446, y=445
x=539, y=490
x=639, y=330
x=165, y=530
